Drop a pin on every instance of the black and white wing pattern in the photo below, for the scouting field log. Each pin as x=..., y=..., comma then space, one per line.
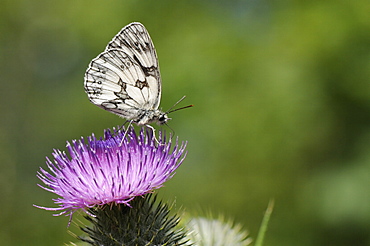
x=125, y=78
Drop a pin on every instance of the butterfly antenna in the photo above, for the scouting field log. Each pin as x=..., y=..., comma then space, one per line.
x=173, y=110
x=189, y=106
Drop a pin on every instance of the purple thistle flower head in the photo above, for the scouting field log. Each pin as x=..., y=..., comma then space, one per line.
x=109, y=170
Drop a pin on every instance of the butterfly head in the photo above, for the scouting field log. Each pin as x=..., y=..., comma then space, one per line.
x=162, y=118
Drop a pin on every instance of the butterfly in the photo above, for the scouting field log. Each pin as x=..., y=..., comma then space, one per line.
x=125, y=79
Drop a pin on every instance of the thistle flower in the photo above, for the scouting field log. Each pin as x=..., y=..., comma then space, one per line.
x=212, y=232
x=109, y=170
x=147, y=222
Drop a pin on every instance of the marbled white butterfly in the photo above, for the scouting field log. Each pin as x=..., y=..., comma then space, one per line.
x=125, y=78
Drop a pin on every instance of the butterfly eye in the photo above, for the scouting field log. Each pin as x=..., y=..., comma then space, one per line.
x=162, y=119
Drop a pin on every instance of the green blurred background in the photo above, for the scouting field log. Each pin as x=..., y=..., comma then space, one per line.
x=282, y=109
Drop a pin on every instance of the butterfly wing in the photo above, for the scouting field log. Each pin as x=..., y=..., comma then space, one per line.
x=125, y=78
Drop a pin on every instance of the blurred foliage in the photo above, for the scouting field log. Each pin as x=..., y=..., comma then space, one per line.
x=282, y=109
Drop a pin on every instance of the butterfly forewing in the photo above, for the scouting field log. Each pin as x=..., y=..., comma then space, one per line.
x=125, y=78
x=134, y=39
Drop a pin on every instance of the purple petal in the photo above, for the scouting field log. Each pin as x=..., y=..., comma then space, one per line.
x=104, y=171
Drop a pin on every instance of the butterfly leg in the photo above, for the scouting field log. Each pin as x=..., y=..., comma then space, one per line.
x=153, y=129
x=173, y=131
x=126, y=131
